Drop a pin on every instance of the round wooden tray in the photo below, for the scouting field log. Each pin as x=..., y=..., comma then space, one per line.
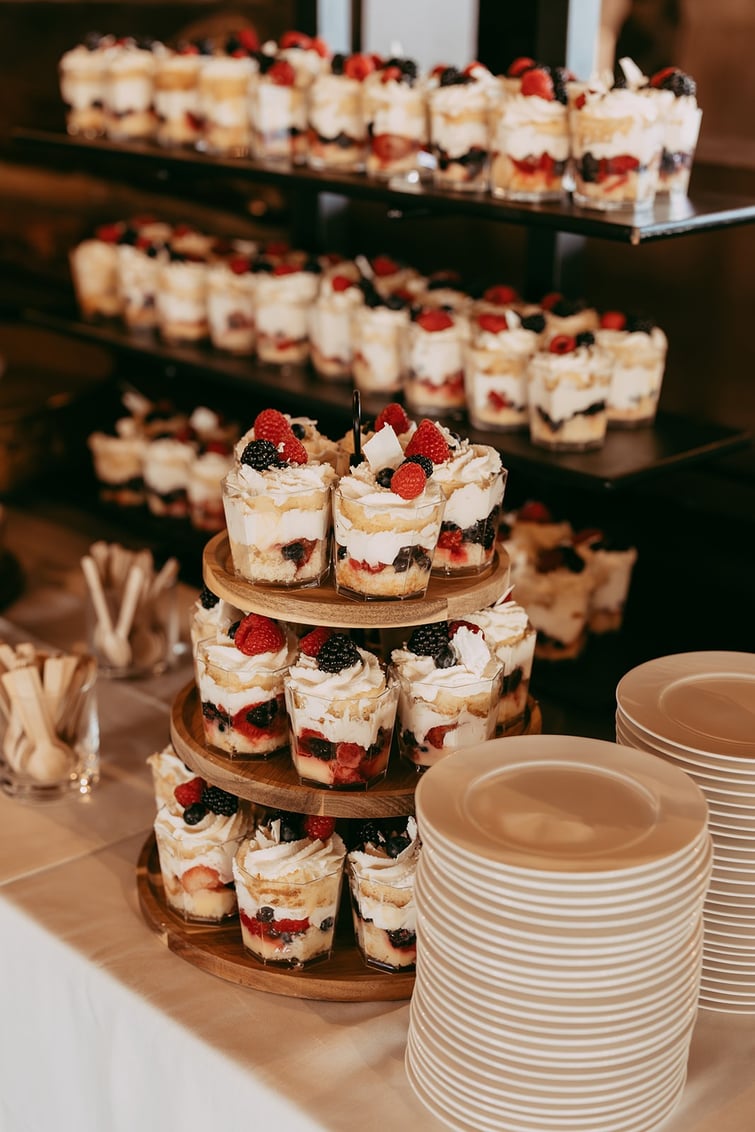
x=217, y=948
x=274, y=782
x=445, y=600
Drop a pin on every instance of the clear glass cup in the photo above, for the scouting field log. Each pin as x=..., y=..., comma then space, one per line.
x=383, y=552
x=530, y=149
x=279, y=122
x=197, y=872
x=337, y=130
x=224, y=83
x=568, y=401
x=341, y=743
x=616, y=153
x=287, y=922
x=243, y=710
x=466, y=544
x=460, y=137
x=434, y=369
x=283, y=304
x=230, y=308
x=434, y=721
x=396, y=115
x=495, y=380
x=384, y=918
x=377, y=343
x=152, y=641
x=49, y=729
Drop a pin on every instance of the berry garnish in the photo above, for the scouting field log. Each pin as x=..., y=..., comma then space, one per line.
x=257, y=634
x=220, y=801
x=428, y=440
x=454, y=627
x=318, y=826
x=312, y=642
x=282, y=73
x=293, y=451
x=187, y=793
x=424, y=462
x=409, y=480
x=428, y=640
x=493, y=323
x=613, y=320
x=383, y=265
x=434, y=320
x=295, y=39
x=538, y=82
x=549, y=301
x=337, y=653
x=285, y=269
x=239, y=265
x=194, y=813
x=675, y=80
x=358, y=67
x=109, y=233
x=207, y=599
x=260, y=455
x=249, y=39
x=391, y=74
x=534, y=512
x=519, y=66
x=384, y=477
x=585, y=338
x=271, y=425
x=395, y=416
x=562, y=344
x=341, y=283
x=501, y=295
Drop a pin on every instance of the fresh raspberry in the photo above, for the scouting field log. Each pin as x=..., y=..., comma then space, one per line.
x=188, y=49
x=451, y=539
x=501, y=295
x=295, y=39
x=317, y=825
x=493, y=323
x=538, y=83
x=249, y=39
x=109, y=233
x=257, y=634
x=434, y=319
x=187, y=793
x=277, y=248
x=312, y=642
x=282, y=73
x=358, y=67
x=293, y=451
x=383, y=265
x=271, y=425
x=613, y=320
x=549, y=301
x=534, y=512
x=454, y=626
x=239, y=265
x=391, y=74
x=408, y=480
x=341, y=283
x=562, y=344
x=519, y=66
x=285, y=269
x=320, y=46
x=660, y=77
x=428, y=440
x=393, y=415
x=436, y=735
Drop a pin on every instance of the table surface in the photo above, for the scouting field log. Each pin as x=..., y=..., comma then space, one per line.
x=122, y=1033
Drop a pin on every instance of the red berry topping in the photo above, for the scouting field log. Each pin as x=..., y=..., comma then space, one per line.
x=580, y=100
x=285, y=269
x=436, y=735
x=271, y=425
x=451, y=539
x=613, y=320
x=519, y=66
x=182, y=229
x=659, y=77
x=383, y=265
x=341, y=283
x=277, y=247
x=549, y=301
x=393, y=415
x=471, y=67
x=239, y=265
x=434, y=319
x=408, y=480
x=187, y=793
x=248, y=39
x=219, y=446
x=501, y=295
x=188, y=49
x=317, y=825
x=282, y=73
x=391, y=74
x=493, y=323
x=454, y=627
x=109, y=233
x=313, y=641
x=538, y=83
x=320, y=46
x=295, y=39
x=438, y=69
x=257, y=634
x=428, y=440
x=358, y=67
x=562, y=344
x=293, y=451
x=534, y=512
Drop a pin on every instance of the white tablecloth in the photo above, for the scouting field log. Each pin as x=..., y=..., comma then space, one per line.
x=102, y=1029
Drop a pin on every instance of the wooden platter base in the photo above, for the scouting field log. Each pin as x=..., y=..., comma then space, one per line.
x=217, y=949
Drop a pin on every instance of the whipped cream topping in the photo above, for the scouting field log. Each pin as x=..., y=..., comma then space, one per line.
x=222, y=653
x=168, y=771
x=637, y=129
x=335, y=106
x=280, y=484
x=167, y=464
x=265, y=856
x=475, y=667
x=472, y=481
x=206, y=476
x=210, y=622
x=529, y=127
x=363, y=678
x=373, y=866
x=213, y=829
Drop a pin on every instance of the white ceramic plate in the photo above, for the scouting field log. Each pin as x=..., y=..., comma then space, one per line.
x=740, y=773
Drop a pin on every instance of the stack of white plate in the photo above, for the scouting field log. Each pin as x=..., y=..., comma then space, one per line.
x=559, y=937
x=697, y=711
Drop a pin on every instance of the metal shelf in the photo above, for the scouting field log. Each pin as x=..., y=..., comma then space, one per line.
x=702, y=211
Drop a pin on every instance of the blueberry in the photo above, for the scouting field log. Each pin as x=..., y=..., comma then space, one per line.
x=194, y=813
x=294, y=551
x=445, y=657
x=265, y=914
x=384, y=477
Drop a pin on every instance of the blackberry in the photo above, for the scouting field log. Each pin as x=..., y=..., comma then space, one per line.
x=451, y=76
x=327, y=924
x=220, y=801
x=194, y=813
x=590, y=168
x=403, y=560
x=384, y=477
x=395, y=303
x=337, y=63
x=427, y=640
x=319, y=748
x=128, y=236
x=396, y=844
x=560, y=77
x=402, y=937
x=408, y=738
x=534, y=322
x=585, y=338
x=338, y=652
x=264, y=714
x=638, y=325
x=445, y=657
x=207, y=598
x=263, y=266
x=565, y=308
x=260, y=455
x=232, y=629
x=311, y=263
x=424, y=462
x=423, y=560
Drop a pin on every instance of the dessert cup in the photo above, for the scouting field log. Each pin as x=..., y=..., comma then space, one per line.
x=434, y=363
x=119, y=463
x=530, y=147
x=377, y=342
x=176, y=98
x=94, y=271
x=205, y=490
x=638, y=358
x=284, y=299
x=231, y=289
x=617, y=141
x=337, y=131
x=128, y=94
x=495, y=372
x=675, y=94
x=511, y=636
x=556, y=594
x=168, y=772
x=278, y=111
x=210, y=616
x=330, y=325
x=473, y=482
x=611, y=567
x=182, y=298
x=167, y=468
x=566, y=316
x=138, y=275
x=396, y=120
x=568, y=393
x=224, y=84
x=382, y=904
x=196, y=862
x=82, y=73
x=243, y=710
x=459, y=111
x=288, y=894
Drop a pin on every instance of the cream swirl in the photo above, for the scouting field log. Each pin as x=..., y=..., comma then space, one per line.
x=280, y=484
x=265, y=856
x=363, y=678
x=474, y=664
x=222, y=653
x=213, y=828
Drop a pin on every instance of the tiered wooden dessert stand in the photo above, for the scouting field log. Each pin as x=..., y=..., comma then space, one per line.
x=274, y=782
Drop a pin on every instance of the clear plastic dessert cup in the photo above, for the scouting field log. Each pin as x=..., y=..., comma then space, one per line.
x=196, y=867
x=377, y=342
x=341, y=742
x=128, y=94
x=617, y=142
x=384, y=916
x=530, y=149
x=287, y=922
x=434, y=366
x=466, y=544
x=279, y=122
x=176, y=99
x=385, y=551
x=231, y=289
x=396, y=114
x=435, y=720
x=224, y=83
x=283, y=303
x=280, y=540
x=243, y=708
x=82, y=88
x=568, y=397
x=337, y=132
x=460, y=136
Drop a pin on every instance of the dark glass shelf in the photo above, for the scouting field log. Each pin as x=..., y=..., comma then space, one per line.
x=178, y=169
x=627, y=456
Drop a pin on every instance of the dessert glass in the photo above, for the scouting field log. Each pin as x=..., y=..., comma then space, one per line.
x=168, y=772
x=681, y=128
x=182, y=298
x=530, y=148
x=396, y=119
x=128, y=95
x=196, y=864
x=557, y=601
x=167, y=468
x=495, y=372
x=460, y=133
x=512, y=637
x=176, y=98
x=341, y=739
x=284, y=299
x=567, y=399
x=434, y=363
x=330, y=327
x=377, y=343
x=224, y=83
x=205, y=491
x=337, y=132
x=94, y=271
x=118, y=463
x=138, y=275
x=383, y=911
x=278, y=113
x=617, y=141
x=82, y=88
x=243, y=711
x=473, y=483
x=638, y=360
x=231, y=288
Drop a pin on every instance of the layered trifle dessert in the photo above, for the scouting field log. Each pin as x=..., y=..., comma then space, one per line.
x=231, y=290
x=611, y=564
x=569, y=383
x=288, y=876
x=637, y=349
x=378, y=327
x=94, y=271
x=511, y=635
x=531, y=137
x=330, y=322
x=82, y=73
x=337, y=130
x=129, y=91
x=555, y=591
x=205, y=487
x=382, y=868
x=396, y=117
x=278, y=513
x=167, y=468
x=567, y=316
x=278, y=112
x=681, y=127
x=434, y=361
x=118, y=460
x=182, y=290
x=210, y=616
x=495, y=369
x=168, y=771
x=460, y=127
x=283, y=300
x=176, y=96
x=342, y=708
x=449, y=687
x=197, y=838
x=240, y=678
x=224, y=83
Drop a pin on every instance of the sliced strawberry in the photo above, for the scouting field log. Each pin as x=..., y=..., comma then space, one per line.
x=257, y=634
x=295, y=39
x=613, y=320
x=519, y=66
x=538, y=83
x=271, y=425
x=201, y=879
x=319, y=826
x=617, y=166
x=534, y=512
x=408, y=481
x=390, y=147
x=312, y=642
x=358, y=67
x=349, y=755
x=562, y=344
x=341, y=283
x=493, y=323
x=454, y=627
x=498, y=400
x=501, y=295
x=273, y=929
x=436, y=735
x=428, y=440
x=395, y=416
x=383, y=265
x=239, y=265
x=434, y=320
x=187, y=793
x=282, y=73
